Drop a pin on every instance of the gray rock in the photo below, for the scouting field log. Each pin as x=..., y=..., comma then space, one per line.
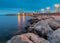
x=42, y=27
x=54, y=24
x=55, y=37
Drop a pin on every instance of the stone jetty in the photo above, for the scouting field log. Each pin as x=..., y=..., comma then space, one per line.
x=40, y=30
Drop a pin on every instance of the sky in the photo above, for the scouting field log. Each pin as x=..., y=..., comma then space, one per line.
x=26, y=5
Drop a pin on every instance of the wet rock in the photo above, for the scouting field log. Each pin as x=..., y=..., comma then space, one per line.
x=27, y=38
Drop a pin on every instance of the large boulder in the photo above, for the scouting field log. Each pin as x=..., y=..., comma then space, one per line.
x=27, y=38
x=32, y=21
x=55, y=37
x=54, y=25
x=57, y=18
x=41, y=26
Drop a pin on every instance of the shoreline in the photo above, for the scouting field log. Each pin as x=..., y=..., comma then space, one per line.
x=40, y=27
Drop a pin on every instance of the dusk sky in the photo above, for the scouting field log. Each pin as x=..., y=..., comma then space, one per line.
x=28, y=5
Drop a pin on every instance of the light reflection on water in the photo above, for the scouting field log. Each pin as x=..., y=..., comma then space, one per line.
x=18, y=21
x=21, y=23
x=23, y=19
x=11, y=25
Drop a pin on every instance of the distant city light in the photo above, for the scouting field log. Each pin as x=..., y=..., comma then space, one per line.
x=57, y=6
x=48, y=8
x=42, y=10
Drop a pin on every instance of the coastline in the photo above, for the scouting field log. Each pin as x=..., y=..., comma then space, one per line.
x=49, y=25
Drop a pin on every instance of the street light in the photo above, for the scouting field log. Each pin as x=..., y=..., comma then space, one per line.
x=57, y=6
x=42, y=10
x=48, y=8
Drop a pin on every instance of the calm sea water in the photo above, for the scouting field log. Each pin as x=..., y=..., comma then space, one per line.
x=11, y=25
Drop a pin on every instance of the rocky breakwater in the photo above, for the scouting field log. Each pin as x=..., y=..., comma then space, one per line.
x=43, y=30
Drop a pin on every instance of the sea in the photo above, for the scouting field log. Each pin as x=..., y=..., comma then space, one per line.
x=11, y=26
